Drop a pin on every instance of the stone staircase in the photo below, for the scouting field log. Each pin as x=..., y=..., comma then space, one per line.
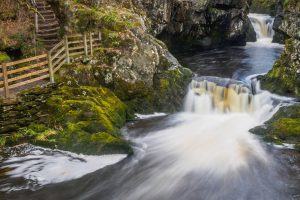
x=48, y=25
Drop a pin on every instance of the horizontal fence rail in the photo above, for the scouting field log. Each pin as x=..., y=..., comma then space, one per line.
x=21, y=73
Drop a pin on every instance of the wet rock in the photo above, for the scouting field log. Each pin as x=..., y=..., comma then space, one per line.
x=199, y=23
x=82, y=119
x=284, y=78
x=283, y=127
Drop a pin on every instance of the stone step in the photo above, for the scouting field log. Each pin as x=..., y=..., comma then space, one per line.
x=47, y=21
x=44, y=7
x=49, y=41
x=45, y=12
x=48, y=25
x=50, y=30
x=49, y=16
x=48, y=36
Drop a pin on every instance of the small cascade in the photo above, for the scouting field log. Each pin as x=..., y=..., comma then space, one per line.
x=220, y=95
x=262, y=25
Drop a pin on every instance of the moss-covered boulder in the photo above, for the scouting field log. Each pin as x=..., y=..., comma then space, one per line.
x=283, y=127
x=169, y=89
x=129, y=60
x=284, y=77
x=82, y=119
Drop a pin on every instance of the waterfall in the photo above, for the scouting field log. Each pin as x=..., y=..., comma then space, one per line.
x=262, y=25
x=221, y=95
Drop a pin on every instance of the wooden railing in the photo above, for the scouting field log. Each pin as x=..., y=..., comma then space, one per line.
x=20, y=73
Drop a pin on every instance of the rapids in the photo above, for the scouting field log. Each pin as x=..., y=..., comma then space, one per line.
x=205, y=152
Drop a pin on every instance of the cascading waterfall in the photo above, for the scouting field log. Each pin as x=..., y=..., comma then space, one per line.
x=205, y=152
x=262, y=25
x=221, y=95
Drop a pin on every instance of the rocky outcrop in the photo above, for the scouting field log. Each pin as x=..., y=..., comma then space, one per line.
x=131, y=71
x=284, y=78
x=136, y=66
x=82, y=119
x=284, y=127
x=20, y=113
x=286, y=23
x=202, y=23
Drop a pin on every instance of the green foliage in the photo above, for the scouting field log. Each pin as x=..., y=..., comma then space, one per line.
x=4, y=57
x=88, y=19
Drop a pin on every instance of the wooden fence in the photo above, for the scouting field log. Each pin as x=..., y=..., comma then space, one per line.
x=21, y=73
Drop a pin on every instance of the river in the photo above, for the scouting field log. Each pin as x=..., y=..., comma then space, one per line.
x=204, y=152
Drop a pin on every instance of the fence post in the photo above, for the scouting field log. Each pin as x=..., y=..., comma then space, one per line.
x=5, y=81
x=85, y=44
x=51, y=73
x=36, y=22
x=67, y=49
x=91, y=43
x=99, y=36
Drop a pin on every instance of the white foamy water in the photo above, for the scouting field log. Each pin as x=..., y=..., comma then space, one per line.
x=262, y=25
x=142, y=116
x=209, y=152
x=43, y=166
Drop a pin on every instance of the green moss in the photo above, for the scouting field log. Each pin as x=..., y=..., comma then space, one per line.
x=88, y=19
x=82, y=119
x=283, y=127
x=35, y=134
x=170, y=88
x=87, y=103
x=286, y=128
x=138, y=96
x=283, y=78
x=4, y=57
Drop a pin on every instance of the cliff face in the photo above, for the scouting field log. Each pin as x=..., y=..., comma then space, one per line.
x=284, y=78
x=201, y=23
x=286, y=24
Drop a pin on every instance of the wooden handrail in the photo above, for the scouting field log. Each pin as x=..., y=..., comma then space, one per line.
x=13, y=75
x=24, y=60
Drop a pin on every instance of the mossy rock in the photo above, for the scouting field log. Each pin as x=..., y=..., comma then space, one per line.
x=83, y=119
x=284, y=77
x=170, y=87
x=283, y=127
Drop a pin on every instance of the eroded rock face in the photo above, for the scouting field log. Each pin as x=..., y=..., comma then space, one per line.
x=284, y=78
x=203, y=23
x=135, y=65
x=287, y=20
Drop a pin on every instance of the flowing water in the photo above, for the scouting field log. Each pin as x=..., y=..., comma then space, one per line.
x=203, y=153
